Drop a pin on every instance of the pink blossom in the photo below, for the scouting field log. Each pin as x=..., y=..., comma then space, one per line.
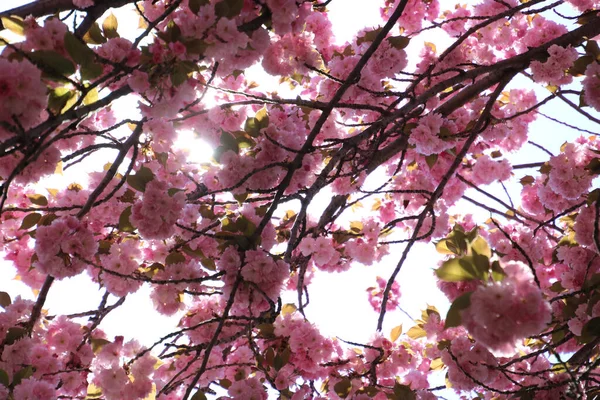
x=502, y=313
x=553, y=70
x=155, y=215
x=486, y=170
x=591, y=85
x=83, y=3
x=33, y=389
x=376, y=295
x=60, y=245
x=425, y=136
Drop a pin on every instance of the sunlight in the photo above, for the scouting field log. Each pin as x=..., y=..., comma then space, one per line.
x=197, y=150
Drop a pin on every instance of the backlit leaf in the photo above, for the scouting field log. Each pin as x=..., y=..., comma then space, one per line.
x=174, y=258
x=199, y=395
x=4, y=380
x=343, y=388
x=398, y=42
x=98, y=344
x=288, y=308
x=416, y=332
x=52, y=63
x=196, y=4
x=14, y=24
x=140, y=179
x=458, y=270
x=94, y=35
x=24, y=373
x=109, y=26
x=5, y=299
x=30, y=220
x=481, y=247
x=229, y=8
x=78, y=51
x=396, y=332
x=124, y=222
x=13, y=334
x=38, y=199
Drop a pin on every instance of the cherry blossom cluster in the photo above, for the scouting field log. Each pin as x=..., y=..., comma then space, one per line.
x=63, y=247
x=393, y=133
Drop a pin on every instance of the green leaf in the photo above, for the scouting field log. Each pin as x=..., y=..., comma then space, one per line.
x=199, y=395
x=403, y=392
x=446, y=246
x=594, y=166
x=453, y=317
x=22, y=374
x=208, y=263
x=30, y=221
x=370, y=391
x=91, y=71
x=91, y=97
x=431, y=160
x=482, y=265
x=4, y=380
x=14, y=24
x=5, y=299
x=38, y=199
x=79, y=51
x=270, y=356
x=195, y=45
x=52, y=63
x=98, y=344
x=398, y=42
x=368, y=36
x=94, y=35
x=229, y=8
x=343, y=388
x=140, y=179
x=179, y=75
x=498, y=273
x=266, y=330
x=174, y=258
x=47, y=219
x=171, y=34
x=458, y=270
x=225, y=383
x=124, y=222
x=480, y=246
x=196, y=4
x=281, y=359
x=172, y=191
x=58, y=99
x=580, y=65
x=592, y=197
x=104, y=247
x=13, y=334
x=109, y=26
x=258, y=122
x=527, y=180
x=591, y=328
x=193, y=253
x=229, y=142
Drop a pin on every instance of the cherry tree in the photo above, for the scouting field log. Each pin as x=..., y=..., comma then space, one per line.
x=395, y=131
